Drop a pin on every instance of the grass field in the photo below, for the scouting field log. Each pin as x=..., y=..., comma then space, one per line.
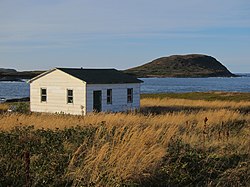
x=208, y=96
x=170, y=142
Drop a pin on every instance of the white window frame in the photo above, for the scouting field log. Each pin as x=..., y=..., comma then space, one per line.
x=43, y=95
x=70, y=96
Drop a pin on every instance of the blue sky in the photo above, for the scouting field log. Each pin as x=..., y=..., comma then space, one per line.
x=42, y=34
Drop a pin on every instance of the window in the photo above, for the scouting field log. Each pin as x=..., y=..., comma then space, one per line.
x=69, y=96
x=109, y=96
x=130, y=95
x=43, y=95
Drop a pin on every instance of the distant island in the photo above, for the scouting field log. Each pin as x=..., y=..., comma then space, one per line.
x=192, y=65
x=14, y=75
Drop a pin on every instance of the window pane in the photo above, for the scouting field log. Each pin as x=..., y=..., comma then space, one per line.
x=70, y=92
x=44, y=91
x=129, y=91
x=130, y=95
x=129, y=98
x=70, y=99
x=109, y=92
x=43, y=98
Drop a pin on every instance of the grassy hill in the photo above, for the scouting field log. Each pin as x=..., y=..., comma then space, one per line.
x=193, y=65
x=13, y=75
x=4, y=70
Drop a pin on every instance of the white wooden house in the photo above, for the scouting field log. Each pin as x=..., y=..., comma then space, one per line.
x=81, y=91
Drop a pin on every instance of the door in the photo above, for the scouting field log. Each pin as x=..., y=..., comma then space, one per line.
x=97, y=101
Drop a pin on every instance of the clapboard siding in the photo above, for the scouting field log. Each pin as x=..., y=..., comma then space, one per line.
x=57, y=83
x=119, y=97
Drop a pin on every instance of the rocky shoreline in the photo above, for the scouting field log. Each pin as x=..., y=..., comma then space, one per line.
x=24, y=99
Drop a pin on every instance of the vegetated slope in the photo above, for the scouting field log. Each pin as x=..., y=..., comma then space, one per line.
x=14, y=75
x=193, y=65
x=4, y=70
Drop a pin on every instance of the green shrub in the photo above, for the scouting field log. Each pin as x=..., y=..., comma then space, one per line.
x=48, y=151
x=20, y=107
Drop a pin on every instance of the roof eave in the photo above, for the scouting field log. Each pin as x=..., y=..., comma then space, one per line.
x=137, y=81
x=41, y=75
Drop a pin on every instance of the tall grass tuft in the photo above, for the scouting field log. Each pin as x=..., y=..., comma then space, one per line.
x=122, y=154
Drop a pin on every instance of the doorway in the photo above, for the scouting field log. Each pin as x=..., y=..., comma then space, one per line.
x=97, y=101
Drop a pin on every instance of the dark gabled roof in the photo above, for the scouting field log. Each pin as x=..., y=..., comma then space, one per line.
x=100, y=76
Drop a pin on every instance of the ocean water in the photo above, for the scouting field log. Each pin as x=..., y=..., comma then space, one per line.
x=180, y=85
x=9, y=90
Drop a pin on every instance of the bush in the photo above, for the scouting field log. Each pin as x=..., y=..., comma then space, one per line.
x=20, y=107
x=49, y=153
x=187, y=166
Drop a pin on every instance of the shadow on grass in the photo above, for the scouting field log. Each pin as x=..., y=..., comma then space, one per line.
x=156, y=110
x=185, y=165
x=170, y=109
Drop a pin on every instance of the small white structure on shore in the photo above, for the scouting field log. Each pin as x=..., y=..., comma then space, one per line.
x=81, y=91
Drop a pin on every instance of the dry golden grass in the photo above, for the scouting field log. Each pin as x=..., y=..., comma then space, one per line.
x=52, y=121
x=3, y=107
x=194, y=103
x=123, y=153
x=130, y=147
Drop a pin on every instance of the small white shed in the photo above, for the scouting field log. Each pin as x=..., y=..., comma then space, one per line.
x=81, y=91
